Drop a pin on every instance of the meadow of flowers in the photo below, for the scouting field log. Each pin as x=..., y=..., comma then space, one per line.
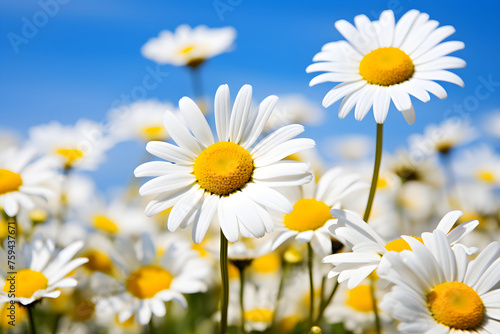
x=232, y=222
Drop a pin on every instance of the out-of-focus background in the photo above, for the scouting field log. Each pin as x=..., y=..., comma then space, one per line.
x=69, y=59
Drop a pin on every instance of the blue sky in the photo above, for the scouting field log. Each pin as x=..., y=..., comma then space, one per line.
x=81, y=60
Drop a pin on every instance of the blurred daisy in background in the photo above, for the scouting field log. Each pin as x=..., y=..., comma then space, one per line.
x=491, y=123
x=21, y=179
x=481, y=164
x=81, y=146
x=444, y=137
x=384, y=61
x=295, y=109
x=148, y=280
x=40, y=270
x=368, y=247
x=437, y=290
x=310, y=217
x=189, y=46
x=141, y=120
x=232, y=178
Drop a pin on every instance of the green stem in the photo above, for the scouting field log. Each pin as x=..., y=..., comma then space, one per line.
x=286, y=269
x=151, y=327
x=325, y=304
x=311, y=282
x=242, y=294
x=378, y=326
x=196, y=82
x=225, y=282
x=376, y=169
x=31, y=317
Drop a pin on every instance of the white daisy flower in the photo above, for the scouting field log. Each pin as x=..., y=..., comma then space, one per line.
x=444, y=137
x=21, y=179
x=40, y=270
x=479, y=164
x=231, y=178
x=491, y=123
x=142, y=120
x=81, y=146
x=310, y=218
x=437, y=290
x=148, y=281
x=189, y=46
x=116, y=218
x=383, y=61
x=368, y=247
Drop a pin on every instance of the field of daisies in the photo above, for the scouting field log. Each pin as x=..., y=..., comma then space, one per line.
x=233, y=221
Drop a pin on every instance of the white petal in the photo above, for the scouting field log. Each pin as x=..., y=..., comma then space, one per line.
x=403, y=26
x=341, y=90
x=264, y=112
x=222, y=107
x=268, y=197
x=180, y=134
x=206, y=215
x=278, y=137
x=240, y=113
x=169, y=152
x=284, y=150
x=227, y=219
x=166, y=183
x=196, y=121
x=381, y=104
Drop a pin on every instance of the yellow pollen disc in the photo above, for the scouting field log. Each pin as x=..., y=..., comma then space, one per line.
x=267, y=264
x=71, y=155
x=186, y=49
x=400, y=245
x=38, y=216
x=147, y=281
x=386, y=67
x=381, y=183
x=5, y=314
x=486, y=176
x=26, y=282
x=307, y=214
x=288, y=323
x=98, y=261
x=103, y=223
x=9, y=181
x=154, y=133
x=223, y=168
x=360, y=298
x=259, y=315
x=233, y=271
x=456, y=305
x=201, y=251
x=292, y=255
x=127, y=324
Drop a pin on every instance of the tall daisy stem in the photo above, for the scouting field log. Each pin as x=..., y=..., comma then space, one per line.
x=242, y=294
x=225, y=282
x=378, y=326
x=325, y=304
x=196, y=82
x=284, y=274
x=371, y=196
x=31, y=317
x=311, y=282
x=376, y=169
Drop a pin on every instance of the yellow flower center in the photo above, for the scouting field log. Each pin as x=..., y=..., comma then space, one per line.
x=292, y=255
x=38, y=216
x=267, y=264
x=400, y=245
x=386, y=67
x=7, y=310
x=456, y=305
x=288, y=323
x=9, y=181
x=360, y=298
x=25, y=283
x=223, y=168
x=70, y=155
x=147, y=281
x=103, y=223
x=233, y=271
x=98, y=261
x=186, y=49
x=154, y=133
x=307, y=214
x=382, y=183
x=486, y=176
x=259, y=315
x=202, y=252
x=127, y=324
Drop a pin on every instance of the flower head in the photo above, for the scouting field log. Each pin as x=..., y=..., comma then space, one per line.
x=383, y=61
x=189, y=46
x=437, y=290
x=231, y=178
x=40, y=270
